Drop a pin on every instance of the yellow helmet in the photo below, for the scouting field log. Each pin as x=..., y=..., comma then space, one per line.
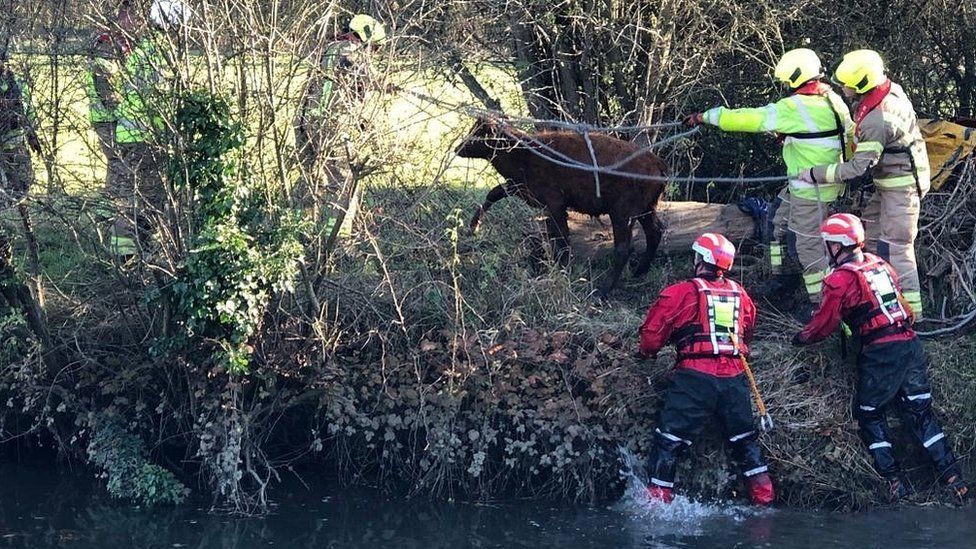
x=368, y=29
x=860, y=70
x=797, y=67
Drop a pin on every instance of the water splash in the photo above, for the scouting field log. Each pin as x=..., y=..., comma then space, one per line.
x=683, y=516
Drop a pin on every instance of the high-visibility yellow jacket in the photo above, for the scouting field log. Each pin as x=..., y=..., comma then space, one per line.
x=888, y=146
x=141, y=77
x=816, y=128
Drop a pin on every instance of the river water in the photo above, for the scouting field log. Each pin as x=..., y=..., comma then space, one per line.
x=46, y=507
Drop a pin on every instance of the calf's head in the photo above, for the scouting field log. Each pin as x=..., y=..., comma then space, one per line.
x=484, y=140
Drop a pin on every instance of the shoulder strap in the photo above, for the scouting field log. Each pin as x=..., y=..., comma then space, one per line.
x=840, y=127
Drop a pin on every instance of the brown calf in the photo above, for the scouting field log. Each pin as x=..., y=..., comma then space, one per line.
x=544, y=184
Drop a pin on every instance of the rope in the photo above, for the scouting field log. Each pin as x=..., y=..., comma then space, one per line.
x=561, y=159
x=657, y=144
x=589, y=145
x=590, y=127
x=577, y=126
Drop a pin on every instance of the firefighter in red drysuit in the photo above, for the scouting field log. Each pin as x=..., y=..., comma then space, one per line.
x=710, y=320
x=863, y=292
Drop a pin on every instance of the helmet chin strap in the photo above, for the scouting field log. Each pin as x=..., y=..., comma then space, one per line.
x=842, y=256
x=706, y=270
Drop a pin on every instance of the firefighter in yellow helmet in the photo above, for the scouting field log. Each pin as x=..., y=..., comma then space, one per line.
x=335, y=87
x=815, y=126
x=890, y=153
x=18, y=132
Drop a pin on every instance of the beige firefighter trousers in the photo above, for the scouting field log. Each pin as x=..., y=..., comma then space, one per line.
x=139, y=195
x=890, y=220
x=325, y=177
x=105, y=132
x=795, y=235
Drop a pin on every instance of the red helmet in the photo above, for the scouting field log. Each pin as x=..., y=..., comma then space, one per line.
x=845, y=229
x=715, y=249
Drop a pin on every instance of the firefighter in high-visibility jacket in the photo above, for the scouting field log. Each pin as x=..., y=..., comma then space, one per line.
x=335, y=86
x=102, y=87
x=17, y=132
x=710, y=320
x=815, y=126
x=863, y=291
x=890, y=150
x=138, y=127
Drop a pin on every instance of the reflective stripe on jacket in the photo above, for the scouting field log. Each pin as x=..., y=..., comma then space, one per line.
x=719, y=325
x=888, y=146
x=797, y=117
x=880, y=306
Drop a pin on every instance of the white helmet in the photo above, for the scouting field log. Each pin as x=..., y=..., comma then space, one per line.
x=166, y=14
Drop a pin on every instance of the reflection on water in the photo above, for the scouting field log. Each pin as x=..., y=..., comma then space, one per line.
x=47, y=508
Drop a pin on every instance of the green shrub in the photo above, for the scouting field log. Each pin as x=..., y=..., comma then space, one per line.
x=121, y=456
x=241, y=254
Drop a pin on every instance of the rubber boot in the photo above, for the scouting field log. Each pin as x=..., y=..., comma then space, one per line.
x=660, y=494
x=761, y=489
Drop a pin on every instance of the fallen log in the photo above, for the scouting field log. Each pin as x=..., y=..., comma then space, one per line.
x=592, y=237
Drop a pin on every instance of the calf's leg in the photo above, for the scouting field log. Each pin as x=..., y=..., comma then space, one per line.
x=497, y=193
x=557, y=225
x=653, y=230
x=622, y=246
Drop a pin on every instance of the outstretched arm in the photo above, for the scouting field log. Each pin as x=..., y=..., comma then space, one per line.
x=750, y=120
x=835, y=299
